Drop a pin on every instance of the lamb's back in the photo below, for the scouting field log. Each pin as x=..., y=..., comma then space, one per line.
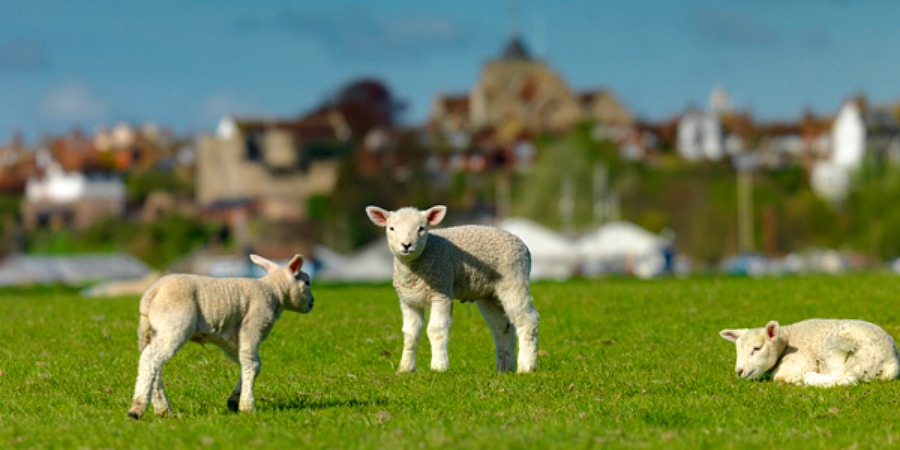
x=218, y=303
x=469, y=260
x=811, y=333
x=494, y=247
x=815, y=332
x=815, y=338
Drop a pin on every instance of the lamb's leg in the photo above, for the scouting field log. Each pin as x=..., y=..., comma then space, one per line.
x=160, y=401
x=234, y=400
x=517, y=303
x=231, y=351
x=439, y=333
x=837, y=370
x=840, y=364
x=154, y=356
x=250, y=366
x=413, y=322
x=504, y=333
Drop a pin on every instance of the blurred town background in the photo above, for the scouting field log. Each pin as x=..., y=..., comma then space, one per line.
x=592, y=188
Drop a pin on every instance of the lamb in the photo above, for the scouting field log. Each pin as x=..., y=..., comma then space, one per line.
x=816, y=352
x=483, y=264
x=236, y=314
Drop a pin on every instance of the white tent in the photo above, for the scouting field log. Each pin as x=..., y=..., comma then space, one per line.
x=621, y=247
x=69, y=269
x=371, y=263
x=553, y=256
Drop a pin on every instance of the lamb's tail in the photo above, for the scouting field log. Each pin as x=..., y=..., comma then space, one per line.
x=145, y=331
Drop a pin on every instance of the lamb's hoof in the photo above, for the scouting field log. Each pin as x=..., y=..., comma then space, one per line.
x=525, y=368
x=233, y=404
x=134, y=415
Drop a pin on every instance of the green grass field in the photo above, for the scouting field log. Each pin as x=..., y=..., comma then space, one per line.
x=624, y=363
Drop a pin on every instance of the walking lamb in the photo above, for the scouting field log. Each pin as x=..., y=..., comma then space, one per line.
x=816, y=352
x=471, y=263
x=236, y=314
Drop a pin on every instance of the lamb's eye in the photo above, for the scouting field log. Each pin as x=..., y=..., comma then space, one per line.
x=421, y=229
x=391, y=228
x=756, y=349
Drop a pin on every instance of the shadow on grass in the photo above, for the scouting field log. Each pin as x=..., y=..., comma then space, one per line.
x=301, y=403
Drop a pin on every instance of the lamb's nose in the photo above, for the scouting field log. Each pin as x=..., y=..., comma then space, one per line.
x=739, y=372
x=406, y=246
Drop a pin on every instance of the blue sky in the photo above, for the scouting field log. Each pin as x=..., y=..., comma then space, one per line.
x=183, y=64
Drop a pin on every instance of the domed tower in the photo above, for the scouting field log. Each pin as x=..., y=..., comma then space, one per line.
x=516, y=90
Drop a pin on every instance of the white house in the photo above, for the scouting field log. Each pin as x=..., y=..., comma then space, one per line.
x=700, y=136
x=700, y=133
x=60, y=187
x=848, y=137
x=72, y=198
x=831, y=177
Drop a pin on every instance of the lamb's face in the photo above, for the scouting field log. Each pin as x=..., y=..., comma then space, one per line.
x=758, y=349
x=407, y=233
x=406, y=228
x=300, y=297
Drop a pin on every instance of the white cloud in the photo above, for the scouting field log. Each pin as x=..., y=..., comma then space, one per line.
x=73, y=102
x=720, y=27
x=22, y=55
x=356, y=33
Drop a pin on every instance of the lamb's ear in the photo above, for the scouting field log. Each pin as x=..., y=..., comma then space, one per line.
x=772, y=330
x=267, y=265
x=732, y=335
x=377, y=215
x=296, y=264
x=435, y=214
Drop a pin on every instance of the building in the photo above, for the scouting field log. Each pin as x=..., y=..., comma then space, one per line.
x=518, y=94
x=62, y=199
x=831, y=176
x=702, y=135
x=266, y=170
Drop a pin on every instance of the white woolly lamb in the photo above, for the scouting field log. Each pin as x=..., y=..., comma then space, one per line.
x=816, y=352
x=483, y=264
x=236, y=314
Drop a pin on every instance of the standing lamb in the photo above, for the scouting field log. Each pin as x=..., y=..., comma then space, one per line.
x=816, y=352
x=236, y=314
x=471, y=263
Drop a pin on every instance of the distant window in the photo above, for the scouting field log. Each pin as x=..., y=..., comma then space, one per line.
x=254, y=145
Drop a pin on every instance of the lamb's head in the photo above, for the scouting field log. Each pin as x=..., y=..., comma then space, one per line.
x=295, y=282
x=758, y=349
x=406, y=228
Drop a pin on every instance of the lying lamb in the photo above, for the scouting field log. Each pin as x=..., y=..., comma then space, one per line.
x=816, y=352
x=235, y=314
x=471, y=263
